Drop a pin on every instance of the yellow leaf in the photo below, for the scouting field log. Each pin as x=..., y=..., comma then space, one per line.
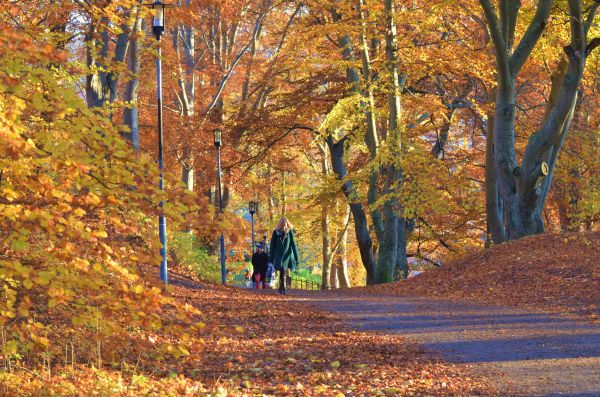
x=100, y=233
x=27, y=283
x=10, y=194
x=79, y=212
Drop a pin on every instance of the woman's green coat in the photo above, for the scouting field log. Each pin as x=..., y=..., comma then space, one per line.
x=284, y=252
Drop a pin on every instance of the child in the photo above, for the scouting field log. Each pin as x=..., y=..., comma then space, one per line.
x=260, y=265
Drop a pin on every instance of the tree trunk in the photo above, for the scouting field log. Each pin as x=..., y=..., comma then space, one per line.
x=271, y=197
x=337, y=151
x=283, y=194
x=121, y=47
x=97, y=91
x=334, y=282
x=102, y=83
x=341, y=258
x=371, y=135
x=325, y=232
x=187, y=168
x=326, y=249
x=401, y=268
x=130, y=113
x=385, y=219
x=388, y=259
x=495, y=227
x=523, y=189
x=388, y=244
x=184, y=41
x=361, y=226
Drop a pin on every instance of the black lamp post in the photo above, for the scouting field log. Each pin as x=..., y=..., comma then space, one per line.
x=253, y=208
x=222, y=238
x=158, y=28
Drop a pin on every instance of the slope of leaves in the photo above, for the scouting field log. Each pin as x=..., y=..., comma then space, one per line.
x=556, y=272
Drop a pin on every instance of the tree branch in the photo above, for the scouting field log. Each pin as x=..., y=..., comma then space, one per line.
x=269, y=145
x=227, y=75
x=531, y=36
x=578, y=35
x=595, y=42
x=591, y=13
x=495, y=33
x=513, y=11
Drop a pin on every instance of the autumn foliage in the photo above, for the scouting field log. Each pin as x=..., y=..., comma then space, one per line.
x=73, y=214
x=369, y=123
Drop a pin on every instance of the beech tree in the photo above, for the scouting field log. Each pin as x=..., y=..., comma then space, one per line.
x=381, y=80
x=516, y=192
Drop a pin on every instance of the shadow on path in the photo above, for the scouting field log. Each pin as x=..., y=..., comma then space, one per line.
x=537, y=354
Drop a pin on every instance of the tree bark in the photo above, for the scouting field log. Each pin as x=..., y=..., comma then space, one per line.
x=523, y=189
x=97, y=91
x=121, y=47
x=341, y=256
x=394, y=223
x=495, y=227
x=325, y=232
x=326, y=250
x=283, y=194
x=130, y=113
x=361, y=226
x=184, y=41
x=401, y=268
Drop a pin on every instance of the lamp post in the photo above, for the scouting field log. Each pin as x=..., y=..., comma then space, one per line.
x=253, y=208
x=217, y=133
x=158, y=28
x=266, y=248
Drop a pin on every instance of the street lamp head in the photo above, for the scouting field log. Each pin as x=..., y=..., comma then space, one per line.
x=217, y=132
x=253, y=207
x=158, y=17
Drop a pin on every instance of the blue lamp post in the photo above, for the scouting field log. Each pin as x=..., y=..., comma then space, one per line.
x=158, y=28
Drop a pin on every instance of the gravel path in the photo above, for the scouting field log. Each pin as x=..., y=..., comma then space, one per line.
x=524, y=352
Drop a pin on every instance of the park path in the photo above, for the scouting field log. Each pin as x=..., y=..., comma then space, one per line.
x=525, y=353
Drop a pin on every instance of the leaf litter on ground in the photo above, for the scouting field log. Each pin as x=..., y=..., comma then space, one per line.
x=557, y=273
x=262, y=344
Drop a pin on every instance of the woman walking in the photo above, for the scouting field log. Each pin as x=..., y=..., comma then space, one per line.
x=284, y=252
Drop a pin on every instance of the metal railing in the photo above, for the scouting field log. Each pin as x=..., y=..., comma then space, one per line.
x=300, y=283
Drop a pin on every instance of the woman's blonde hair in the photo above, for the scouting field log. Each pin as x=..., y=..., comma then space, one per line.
x=284, y=225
